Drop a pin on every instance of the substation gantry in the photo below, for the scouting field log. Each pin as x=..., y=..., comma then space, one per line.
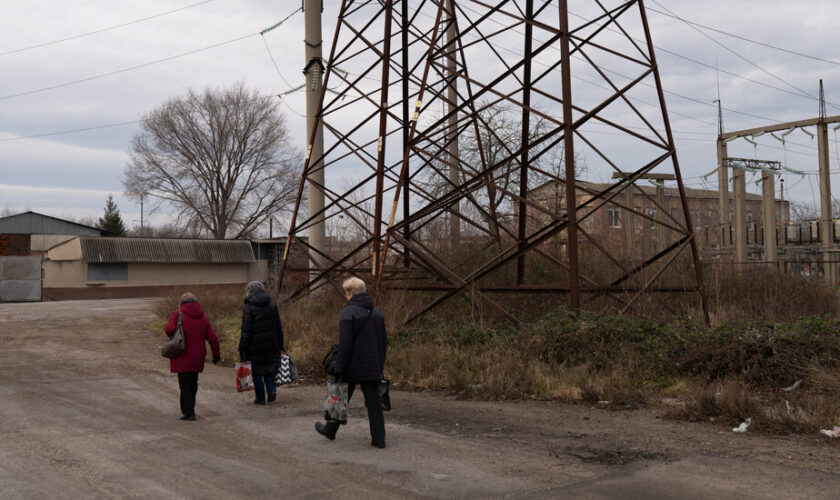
x=726, y=164
x=452, y=115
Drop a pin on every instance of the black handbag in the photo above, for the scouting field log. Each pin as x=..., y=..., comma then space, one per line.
x=330, y=362
x=176, y=344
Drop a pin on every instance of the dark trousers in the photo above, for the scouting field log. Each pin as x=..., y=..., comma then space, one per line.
x=263, y=384
x=374, y=408
x=188, y=382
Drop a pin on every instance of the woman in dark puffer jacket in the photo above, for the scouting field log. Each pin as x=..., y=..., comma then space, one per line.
x=261, y=341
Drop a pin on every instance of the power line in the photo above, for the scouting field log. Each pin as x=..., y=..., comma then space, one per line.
x=739, y=37
x=800, y=93
x=699, y=101
x=62, y=132
x=109, y=28
x=97, y=127
x=735, y=53
x=112, y=73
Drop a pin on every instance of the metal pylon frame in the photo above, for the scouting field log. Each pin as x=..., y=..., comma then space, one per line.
x=522, y=123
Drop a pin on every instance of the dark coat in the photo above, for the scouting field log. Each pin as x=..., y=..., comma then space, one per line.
x=262, y=334
x=197, y=330
x=361, y=349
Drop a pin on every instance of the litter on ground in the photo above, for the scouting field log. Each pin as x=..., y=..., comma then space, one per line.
x=743, y=427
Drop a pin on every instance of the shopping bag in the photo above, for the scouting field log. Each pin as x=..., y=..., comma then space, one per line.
x=384, y=394
x=244, y=379
x=335, y=406
x=176, y=343
x=287, y=371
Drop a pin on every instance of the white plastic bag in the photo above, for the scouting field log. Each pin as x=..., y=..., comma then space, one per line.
x=335, y=406
x=244, y=378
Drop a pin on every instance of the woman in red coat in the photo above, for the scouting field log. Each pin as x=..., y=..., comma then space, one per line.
x=189, y=363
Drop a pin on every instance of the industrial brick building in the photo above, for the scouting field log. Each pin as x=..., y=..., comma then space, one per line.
x=633, y=230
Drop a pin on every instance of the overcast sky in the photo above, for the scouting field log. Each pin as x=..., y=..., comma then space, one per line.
x=71, y=174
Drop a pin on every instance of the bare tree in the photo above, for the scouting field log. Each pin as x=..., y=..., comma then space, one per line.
x=803, y=212
x=221, y=158
x=493, y=142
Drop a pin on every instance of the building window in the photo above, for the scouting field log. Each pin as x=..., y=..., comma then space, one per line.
x=695, y=218
x=107, y=272
x=639, y=221
x=651, y=212
x=613, y=217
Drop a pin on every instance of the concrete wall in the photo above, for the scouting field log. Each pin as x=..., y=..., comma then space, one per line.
x=43, y=242
x=20, y=279
x=68, y=279
x=64, y=273
x=71, y=250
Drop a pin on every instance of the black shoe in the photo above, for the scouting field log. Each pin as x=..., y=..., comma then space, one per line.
x=377, y=445
x=259, y=402
x=272, y=397
x=190, y=418
x=322, y=430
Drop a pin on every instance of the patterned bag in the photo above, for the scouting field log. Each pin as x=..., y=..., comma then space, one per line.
x=244, y=378
x=287, y=372
x=335, y=406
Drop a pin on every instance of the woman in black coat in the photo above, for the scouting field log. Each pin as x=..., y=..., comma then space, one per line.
x=362, y=343
x=261, y=341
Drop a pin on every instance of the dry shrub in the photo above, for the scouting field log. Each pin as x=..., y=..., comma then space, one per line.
x=797, y=413
x=737, y=293
x=730, y=402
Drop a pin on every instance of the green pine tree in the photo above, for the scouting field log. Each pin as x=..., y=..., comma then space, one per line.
x=111, y=221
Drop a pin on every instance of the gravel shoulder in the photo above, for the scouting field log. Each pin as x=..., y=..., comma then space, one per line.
x=90, y=410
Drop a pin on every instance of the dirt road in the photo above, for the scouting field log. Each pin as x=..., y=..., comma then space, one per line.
x=89, y=410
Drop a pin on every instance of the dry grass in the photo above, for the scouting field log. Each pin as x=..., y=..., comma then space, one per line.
x=772, y=412
x=724, y=374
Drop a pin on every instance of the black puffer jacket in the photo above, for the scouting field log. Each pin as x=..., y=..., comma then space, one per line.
x=262, y=334
x=361, y=340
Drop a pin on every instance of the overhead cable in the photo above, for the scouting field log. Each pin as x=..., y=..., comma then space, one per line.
x=112, y=73
x=109, y=28
x=740, y=37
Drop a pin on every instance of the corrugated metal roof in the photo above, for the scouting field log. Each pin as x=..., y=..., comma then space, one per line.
x=161, y=250
x=35, y=223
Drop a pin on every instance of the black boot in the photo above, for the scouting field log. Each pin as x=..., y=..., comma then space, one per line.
x=322, y=430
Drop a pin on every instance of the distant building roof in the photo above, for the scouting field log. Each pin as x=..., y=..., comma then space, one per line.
x=165, y=250
x=35, y=223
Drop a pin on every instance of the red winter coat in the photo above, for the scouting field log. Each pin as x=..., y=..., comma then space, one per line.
x=197, y=329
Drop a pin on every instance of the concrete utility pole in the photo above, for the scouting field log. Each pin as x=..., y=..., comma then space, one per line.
x=723, y=183
x=768, y=195
x=826, y=218
x=314, y=71
x=739, y=188
x=452, y=127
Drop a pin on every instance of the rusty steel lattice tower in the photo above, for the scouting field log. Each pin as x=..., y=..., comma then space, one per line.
x=467, y=126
